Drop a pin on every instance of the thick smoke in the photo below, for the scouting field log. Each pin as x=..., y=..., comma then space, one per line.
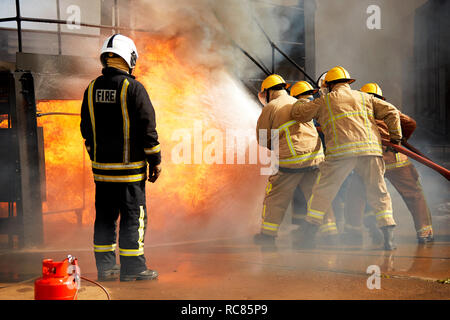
x=347, y=34
x=209, y=30
x=384, y=56
x=212, y=27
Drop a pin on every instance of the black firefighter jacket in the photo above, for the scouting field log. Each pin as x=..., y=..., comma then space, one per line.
x=119, y=127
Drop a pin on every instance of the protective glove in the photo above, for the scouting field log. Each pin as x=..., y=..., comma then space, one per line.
x=391, y=149
x=89, y=150
x=323, y=91
x=154, y=173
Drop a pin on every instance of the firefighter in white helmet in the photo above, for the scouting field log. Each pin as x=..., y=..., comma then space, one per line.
x=119, y=127
x=300, y=152
x=347, y=118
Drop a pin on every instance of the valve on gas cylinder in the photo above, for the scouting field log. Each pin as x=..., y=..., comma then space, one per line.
x=59, y=281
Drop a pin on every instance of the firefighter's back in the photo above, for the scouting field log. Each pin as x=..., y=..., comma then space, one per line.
x=348, y=123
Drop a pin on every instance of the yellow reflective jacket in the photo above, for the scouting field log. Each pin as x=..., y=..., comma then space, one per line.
x=347, y=118
x=299, y=143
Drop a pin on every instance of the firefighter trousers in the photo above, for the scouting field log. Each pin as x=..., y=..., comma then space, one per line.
x=126, y=200
x=279, y=194
x=333, y=173
x=406, y=181
x=338, y=205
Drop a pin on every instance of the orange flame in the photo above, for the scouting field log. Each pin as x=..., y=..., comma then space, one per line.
x=183, y=192
x=66, y=177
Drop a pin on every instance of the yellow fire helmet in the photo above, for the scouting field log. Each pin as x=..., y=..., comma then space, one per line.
x=338, y=73
x=374, y=89
x=273, y=80
x=302, y=88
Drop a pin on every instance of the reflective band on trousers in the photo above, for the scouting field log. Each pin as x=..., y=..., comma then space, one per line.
x=131, y=252
x=153, y=150
x=118, y=166
x=270, y=226
x=104, y=248
x=383, y=214
x=268, y=188
x=140, y=242
x=424, y=229
x=130, y=178
x=316, y=214
x=328, y=227
x=141, y=226
x=398, y=164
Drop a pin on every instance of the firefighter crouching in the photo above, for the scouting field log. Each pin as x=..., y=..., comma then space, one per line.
x=403, y=176
x=347, y=119
x=119, y=127
x=300, y=152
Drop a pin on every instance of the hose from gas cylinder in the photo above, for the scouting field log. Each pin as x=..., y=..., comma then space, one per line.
x=97, y=284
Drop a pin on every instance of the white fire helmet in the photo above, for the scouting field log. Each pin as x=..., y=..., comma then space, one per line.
x=122, y=46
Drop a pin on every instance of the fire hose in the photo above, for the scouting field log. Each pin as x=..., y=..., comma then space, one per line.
x=410, y=147
x=418, y=156
x=413, y=153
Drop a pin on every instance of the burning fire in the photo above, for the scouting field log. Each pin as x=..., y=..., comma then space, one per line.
x=66, y=177
x=184, y=192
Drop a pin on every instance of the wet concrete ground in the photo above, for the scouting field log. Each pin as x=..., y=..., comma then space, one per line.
x=235, y=268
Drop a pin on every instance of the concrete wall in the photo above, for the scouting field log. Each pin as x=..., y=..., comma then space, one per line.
x=370, y=55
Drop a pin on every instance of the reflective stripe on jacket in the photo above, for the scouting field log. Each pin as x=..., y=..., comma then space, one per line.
x=347, y=118
x=299, y=143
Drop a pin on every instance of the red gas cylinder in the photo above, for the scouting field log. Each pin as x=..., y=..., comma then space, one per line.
x=60, y=280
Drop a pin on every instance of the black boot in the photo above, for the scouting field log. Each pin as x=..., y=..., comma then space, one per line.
x=376, y=236
x=424, y=240
x=331, y=240
x=374, y=232
x=388, y=232
x=144, y=275
x=110, y=274
x=307, y=238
